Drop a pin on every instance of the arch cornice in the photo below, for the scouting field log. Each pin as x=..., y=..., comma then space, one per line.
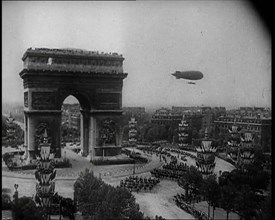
x=106, y=112
x=72, y=73
x=51, y=112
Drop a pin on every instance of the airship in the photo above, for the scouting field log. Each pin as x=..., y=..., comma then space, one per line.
x=189, y=75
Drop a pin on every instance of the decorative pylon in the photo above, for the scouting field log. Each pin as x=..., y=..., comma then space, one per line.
x=205, y=160
x=247, y=149
x=45, y=174
x=132, y=131
x=233, y=145
x=183, y=132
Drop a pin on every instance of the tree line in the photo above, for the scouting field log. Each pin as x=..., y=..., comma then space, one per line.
x=102, y=201
x=237, y=191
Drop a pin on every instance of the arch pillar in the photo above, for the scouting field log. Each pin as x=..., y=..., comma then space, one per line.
x=88, y=133
x=92, y=136
x=84, y=131
x=97, y=118
x=36, y=122
x=25, y=130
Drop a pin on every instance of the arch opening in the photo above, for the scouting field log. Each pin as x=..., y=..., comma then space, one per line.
x=81, y=99
x=70, y=122
x=78, y=126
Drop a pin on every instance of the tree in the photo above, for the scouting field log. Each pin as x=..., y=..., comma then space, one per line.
x=211, y=190
x=4, y=126
x=201, y=133
x=195, y=177
x=6, y=201
x=228, y=195
x=86, y=191
x=96, y=198
x=14, y=138
x=253, y=176
x=26, y=209
x=121, y=205
x=240, y=189
x=150, y=135
x=67, y=207
x=169, y=133
x=258, y=179
x=215, y=197
x=265, y=209
x=247, y=203
x=194, y=133
x=192, y=179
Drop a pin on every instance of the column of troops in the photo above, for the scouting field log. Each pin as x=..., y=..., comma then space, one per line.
x=135, y=183
x=170, y=171
x=183, y=153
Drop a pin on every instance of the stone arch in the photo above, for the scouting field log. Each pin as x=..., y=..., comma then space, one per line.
x=46, y=85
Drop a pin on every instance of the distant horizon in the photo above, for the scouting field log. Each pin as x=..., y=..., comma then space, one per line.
x=151, y=107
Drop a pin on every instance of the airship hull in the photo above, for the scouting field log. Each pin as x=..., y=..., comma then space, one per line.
x=189, y=75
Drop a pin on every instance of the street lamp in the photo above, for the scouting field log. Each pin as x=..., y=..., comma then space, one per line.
x=16, y=193
x=16, y=187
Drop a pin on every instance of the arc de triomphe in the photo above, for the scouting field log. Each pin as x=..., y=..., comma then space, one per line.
x=94, y=79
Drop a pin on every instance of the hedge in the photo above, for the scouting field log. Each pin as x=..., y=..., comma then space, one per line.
x=139, y=158
x=111, y=162
x=60, y=164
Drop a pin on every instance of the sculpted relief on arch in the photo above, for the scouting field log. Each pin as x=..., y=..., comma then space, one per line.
x=43, y=100
x=39, y=131
x=107, y=133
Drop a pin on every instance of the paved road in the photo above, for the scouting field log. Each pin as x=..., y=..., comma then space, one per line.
x=66, y=177
x=80, y=163
x=158, y=202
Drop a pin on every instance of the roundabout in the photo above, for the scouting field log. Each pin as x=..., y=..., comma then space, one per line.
x=66, y=176
x=159, y=201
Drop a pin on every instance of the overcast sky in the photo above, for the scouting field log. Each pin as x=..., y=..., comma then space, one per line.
x=225, y=40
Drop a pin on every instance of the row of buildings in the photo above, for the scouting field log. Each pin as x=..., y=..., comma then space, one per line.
x=255, y=120
x=253, y=112
x=218, y=119
x=261, y=127
x=197, y=117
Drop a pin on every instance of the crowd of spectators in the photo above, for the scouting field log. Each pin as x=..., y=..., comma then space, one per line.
x=180, y=202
